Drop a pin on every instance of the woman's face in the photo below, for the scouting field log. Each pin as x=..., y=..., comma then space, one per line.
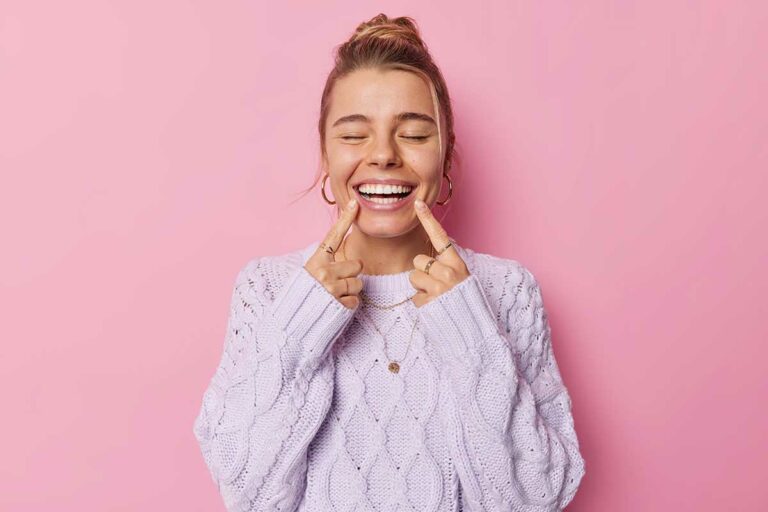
x=381, y=128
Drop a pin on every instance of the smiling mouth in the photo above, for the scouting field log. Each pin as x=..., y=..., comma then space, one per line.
x=384, y=194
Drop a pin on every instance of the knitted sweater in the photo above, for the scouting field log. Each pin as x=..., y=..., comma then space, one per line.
x=303, y=414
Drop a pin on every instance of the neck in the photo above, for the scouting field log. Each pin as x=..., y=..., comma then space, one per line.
x=385, y=255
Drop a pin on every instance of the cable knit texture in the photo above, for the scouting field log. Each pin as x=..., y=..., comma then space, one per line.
x=302, y=413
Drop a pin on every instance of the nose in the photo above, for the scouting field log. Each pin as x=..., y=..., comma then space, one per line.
x=384, y=154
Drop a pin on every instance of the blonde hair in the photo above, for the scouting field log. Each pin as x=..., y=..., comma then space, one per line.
x=391, y=43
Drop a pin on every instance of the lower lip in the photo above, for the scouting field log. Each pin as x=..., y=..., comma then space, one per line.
x=385, y=207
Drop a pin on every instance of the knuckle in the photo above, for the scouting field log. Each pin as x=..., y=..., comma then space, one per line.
x=335, y=289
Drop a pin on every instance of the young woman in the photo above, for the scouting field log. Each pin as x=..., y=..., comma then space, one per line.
x=389, y=368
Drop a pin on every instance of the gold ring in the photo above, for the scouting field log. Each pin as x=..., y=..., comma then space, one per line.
x=441, y=251
x=429, y=264
x=327, y=248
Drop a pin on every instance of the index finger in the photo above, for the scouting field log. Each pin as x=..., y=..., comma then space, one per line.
x=336, y=234
x=437, y=234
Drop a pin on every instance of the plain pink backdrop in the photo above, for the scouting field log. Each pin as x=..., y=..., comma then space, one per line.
x=149, y=149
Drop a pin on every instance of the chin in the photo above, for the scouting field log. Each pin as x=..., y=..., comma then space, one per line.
x=385, y=228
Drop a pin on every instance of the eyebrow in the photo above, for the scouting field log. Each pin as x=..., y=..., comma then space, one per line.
x=403, y=116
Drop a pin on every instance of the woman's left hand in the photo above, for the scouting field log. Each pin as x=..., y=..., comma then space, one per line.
x=448, y=269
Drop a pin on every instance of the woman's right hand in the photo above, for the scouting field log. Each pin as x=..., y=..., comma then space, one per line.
x=338, y=277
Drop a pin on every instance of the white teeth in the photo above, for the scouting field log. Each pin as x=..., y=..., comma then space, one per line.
x=385, y=200
x=370, y=188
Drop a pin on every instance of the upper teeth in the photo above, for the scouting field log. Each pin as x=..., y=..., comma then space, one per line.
x=370, y=188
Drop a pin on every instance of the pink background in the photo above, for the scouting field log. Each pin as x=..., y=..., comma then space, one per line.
x=149, y=149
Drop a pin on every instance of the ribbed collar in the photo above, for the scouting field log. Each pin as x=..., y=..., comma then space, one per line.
x=381, y=284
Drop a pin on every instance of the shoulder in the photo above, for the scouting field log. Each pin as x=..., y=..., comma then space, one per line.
x=512, y=289
x=515, y=298
x=498, y=275
x=264, y=276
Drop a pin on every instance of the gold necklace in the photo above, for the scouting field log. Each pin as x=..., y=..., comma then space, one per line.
x=394, y=364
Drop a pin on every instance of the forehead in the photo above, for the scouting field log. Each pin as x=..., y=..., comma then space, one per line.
x=380, y=94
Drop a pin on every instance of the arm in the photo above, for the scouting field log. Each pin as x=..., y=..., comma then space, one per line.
x=510, y=427
x=271, y=390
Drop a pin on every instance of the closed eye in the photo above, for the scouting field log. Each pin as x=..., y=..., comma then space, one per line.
x=352, y=137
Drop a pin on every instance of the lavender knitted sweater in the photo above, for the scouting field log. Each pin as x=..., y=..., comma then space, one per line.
x=302, y=413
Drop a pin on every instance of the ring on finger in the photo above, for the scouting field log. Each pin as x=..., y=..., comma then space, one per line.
x=429, y=264
x=327, y=248
x=441, y=251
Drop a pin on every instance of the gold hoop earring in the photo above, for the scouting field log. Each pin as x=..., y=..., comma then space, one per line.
x=450, y=190
x=322, y=190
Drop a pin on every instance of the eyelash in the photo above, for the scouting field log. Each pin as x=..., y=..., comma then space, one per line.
x=346, y=137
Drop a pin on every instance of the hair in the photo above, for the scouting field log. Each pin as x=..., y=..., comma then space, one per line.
x=390, y=43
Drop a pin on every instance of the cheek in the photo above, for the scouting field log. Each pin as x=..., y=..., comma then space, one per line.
x=424, y=160
x=342, y=164
x=343, y=154
x=427, y=169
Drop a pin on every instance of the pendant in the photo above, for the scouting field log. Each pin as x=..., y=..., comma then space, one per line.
x=394, y=367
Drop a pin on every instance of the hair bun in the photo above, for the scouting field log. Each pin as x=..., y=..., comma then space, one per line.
x=382, y=26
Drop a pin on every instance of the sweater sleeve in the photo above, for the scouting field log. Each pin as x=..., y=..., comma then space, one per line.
x=510, y=424
x=271, y=389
